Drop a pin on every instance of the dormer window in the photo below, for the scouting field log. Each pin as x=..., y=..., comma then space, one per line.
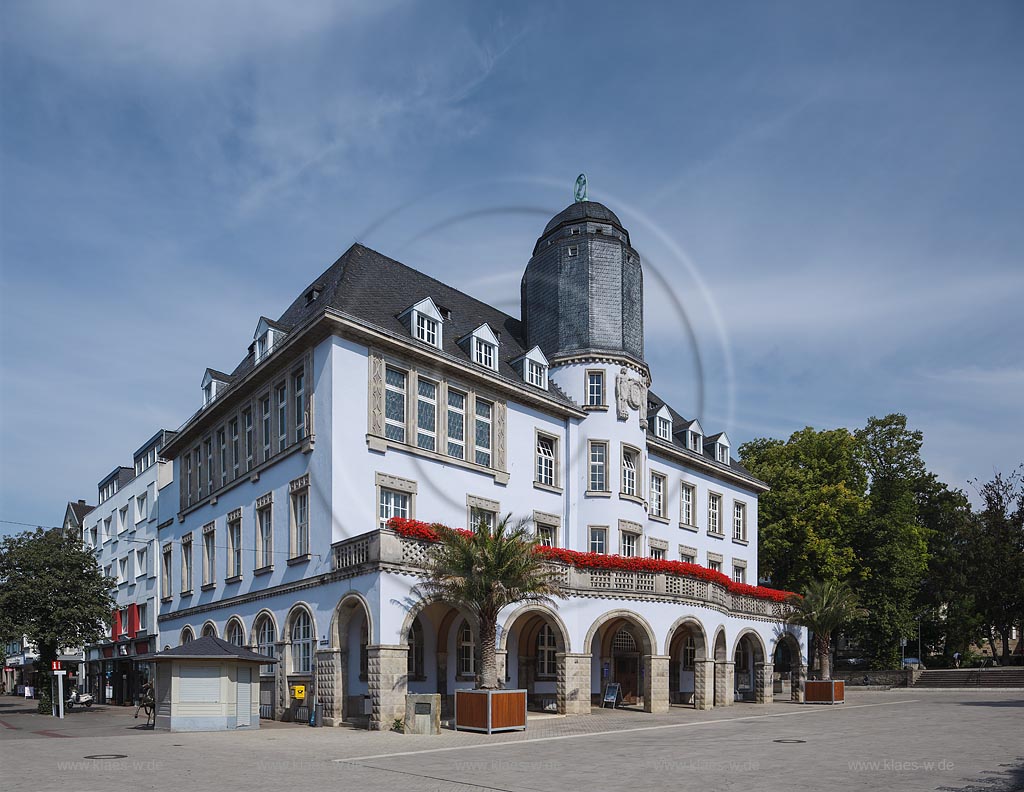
x=484, y=353
x=265, y=338
x=214, y=384
x=696, y=442
x=722, y=453
x=664, y=428
x=424, y=321
x=426, y=329
x=262, y=344
x=536, y=374
x=208, y=393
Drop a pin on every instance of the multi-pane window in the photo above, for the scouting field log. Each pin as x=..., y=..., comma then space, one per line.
x=687, y=558
x=574, y=250
x=141, y=561
x=456, y=424
x=689, y=653
x=426, y=415
x=426, y=329
x=739, y=573
x=595, y=388
x=299, y=396
x=466, y=651
x=394, y=404
x=140, y=610
x=686, y=506
x=598, y=540
x=546, y=461
x=546, y=535
x=629, y=472
x=123, y=521
x=482, y=435
x=186, y=563
x=657, y=495
x=233, y=431
x=484, y=353
x=300, y=522
x=209, y=555
x=657, y=553
x=222, y=445
x=739, y=521
x=478, y=516
x=392, y=504
x=714, y=513
x=598, y=467
x=535, y=373
x=265, y=638
x=723, y=453
x=264, y=537
x=664, y=428
x=695, y=442
x=122, y=570
x=209, y=465
x=165, y=571
x=141, y=508
x=107, y=529
x=249, y=444
x=188, y=479
x=628, y=542
x=266, y=421
x=547, y=648
x=302, y=643
x=235, y=634
x=235, y=547
x=282, y=416
x=415, y=664
x=714, y=565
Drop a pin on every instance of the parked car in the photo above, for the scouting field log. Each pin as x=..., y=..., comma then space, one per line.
x=909, y=662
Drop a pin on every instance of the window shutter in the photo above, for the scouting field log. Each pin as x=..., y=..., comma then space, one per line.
x=115, y=625
x=133, y=620
x=199, y=684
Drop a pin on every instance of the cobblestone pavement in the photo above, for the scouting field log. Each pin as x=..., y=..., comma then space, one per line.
x=895, y=740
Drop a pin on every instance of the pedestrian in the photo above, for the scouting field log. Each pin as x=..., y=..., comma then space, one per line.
x=956, y=659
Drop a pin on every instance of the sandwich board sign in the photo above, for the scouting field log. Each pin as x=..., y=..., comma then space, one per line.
x=612, y=695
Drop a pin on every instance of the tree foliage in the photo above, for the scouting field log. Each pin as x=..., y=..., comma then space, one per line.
x=825, y=607
x=52, y=591
x=485, y=570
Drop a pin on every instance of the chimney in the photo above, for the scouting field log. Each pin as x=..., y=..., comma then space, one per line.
x=81, y=501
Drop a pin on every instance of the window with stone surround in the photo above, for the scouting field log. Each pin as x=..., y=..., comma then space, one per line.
x=266, y=635
x=657, y=504
x=264, y=533
x=547, y=649
x=482, y=435
x=302, y=643
x=186, y=563
x=299, y=530
x=598, y=479
x=394, y=404
x=739, y=521
x=598, y=539
x=687, y=498
x=466, y=651
x=595, y=388
x=714, y=513
x=546, y=460
x=456, y=424
x=209, y=554
x=426, y=414
x=234, y=543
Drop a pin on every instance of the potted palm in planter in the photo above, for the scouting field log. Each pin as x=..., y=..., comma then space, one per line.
x=824, y=607
x=484, y=571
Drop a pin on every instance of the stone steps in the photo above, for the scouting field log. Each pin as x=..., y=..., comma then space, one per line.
x=971, y=677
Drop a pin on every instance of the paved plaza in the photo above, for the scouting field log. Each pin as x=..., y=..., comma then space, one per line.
x=892, y=740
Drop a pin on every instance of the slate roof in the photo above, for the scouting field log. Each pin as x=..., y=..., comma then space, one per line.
x=679, y=426
x=376, y=289
x=582, y=210
x=208, y=648
x=80, y=509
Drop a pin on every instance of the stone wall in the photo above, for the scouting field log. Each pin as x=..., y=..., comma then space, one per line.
x=902, y=678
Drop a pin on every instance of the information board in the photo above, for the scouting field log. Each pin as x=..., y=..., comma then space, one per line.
x=612, y=694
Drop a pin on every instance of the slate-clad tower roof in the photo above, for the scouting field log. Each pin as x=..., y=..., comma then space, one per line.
x=583, y=292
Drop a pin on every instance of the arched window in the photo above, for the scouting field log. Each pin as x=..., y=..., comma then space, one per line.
x=742, y=658
x=187, y=636
x=416, y=650
x=466, y=651
x=364, y=660
x=209, y=631
x=623, y=642
x=302, y=643
x=235, y=633
x=546, y=650
x=265, y=637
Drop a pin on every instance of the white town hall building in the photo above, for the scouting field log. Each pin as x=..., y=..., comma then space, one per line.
x=382, y=393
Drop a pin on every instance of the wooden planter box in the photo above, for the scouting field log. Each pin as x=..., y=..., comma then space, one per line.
x=490, y=710
x=822, y=691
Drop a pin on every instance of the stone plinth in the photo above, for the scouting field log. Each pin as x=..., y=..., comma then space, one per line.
x=423, y=713
x=572, y=690
x=387, y=677
x=656, y=683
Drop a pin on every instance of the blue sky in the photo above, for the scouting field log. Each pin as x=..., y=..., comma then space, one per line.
x=827, y=198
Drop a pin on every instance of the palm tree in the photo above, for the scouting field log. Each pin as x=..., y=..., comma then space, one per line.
x=824, y=608
x=485, y=570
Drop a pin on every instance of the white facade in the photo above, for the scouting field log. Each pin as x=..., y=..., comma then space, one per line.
x=289, y=551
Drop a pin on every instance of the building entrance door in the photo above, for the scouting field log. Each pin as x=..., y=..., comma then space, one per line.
x=627, y=672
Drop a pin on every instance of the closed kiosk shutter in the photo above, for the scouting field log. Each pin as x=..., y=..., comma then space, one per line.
x=199, y=684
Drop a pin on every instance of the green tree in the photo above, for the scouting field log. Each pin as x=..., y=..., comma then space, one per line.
x=996, y=558
x=52, y=591
x=484, y=571
x=891, y=543
x=807, y=519
x=825, y=607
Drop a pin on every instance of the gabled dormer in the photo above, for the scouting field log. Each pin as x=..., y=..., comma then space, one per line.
x=482, y=347
x=214, y=382
x=268, y=334
x=424, y=321
x=662, y=421
x=694, y=437
x=720, y=447
x=533, y=368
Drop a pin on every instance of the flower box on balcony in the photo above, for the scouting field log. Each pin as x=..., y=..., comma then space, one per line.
x=490, y=710
x=824, y=691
